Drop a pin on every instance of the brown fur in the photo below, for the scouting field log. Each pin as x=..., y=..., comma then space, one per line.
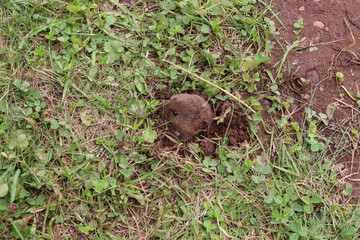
x=194, y=114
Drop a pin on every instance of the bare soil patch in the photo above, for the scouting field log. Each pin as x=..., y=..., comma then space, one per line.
x=325, y=37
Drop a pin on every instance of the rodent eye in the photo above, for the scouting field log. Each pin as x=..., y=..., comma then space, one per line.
x=175, y=113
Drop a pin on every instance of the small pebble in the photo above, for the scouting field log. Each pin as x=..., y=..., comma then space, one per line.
x=319, y=24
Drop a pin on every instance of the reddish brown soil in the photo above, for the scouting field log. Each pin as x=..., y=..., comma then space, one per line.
x=330, y=38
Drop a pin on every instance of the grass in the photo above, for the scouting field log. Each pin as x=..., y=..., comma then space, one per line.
x=79, y=137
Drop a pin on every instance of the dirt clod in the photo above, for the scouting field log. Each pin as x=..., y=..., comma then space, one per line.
x=207, y=146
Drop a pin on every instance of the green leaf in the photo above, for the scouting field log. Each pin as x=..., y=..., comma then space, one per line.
x=206, y=170
x=3, y=127
x=186, y=19
x=348, y=189
x=3, y=204
x=17, y=223
x=267, y=170
x=215, y=25
x=248, y=64
x=348, y=232
x=50, y=36
x=211, y=57
x=295, y=226
x=209, y=226
x=74, y=8
x=63, y=38
x=4, y=189
x=258, y=179
x=327, y=165
x=22, y=86
x=336, y=207
x=312, y=130
x=17, y=83
x=294, y=236
x=316, y=198
x=22, y=141
x=85, y=229
x=100, y=185
x=40, y=200
x=42, y=155
x=127, y=173
x=149, y=135
x=93, y=71
x=54, y=124
x=268, y=199
x=110, y=19
x=238, y=176
x=256, y=117
x=175, y=30
x=278, y=199
x=13, y=186
x=101, y=166
x=31, y=201
x=140, y=84
x=86, y=119
x=340, y=76
x=276, y=214
x=308, y=208
x=273, y=193
x=114, y=50
x=303, y=231
x=306, y=200
x=262, y=59
x=213, y=163
x=217, y=211
x=205, y=29
x=297, y=207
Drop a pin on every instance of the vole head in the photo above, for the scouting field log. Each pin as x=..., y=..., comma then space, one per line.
x=176, y=108
x=189, y=113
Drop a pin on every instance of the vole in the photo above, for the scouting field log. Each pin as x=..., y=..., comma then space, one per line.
x=189, y=113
